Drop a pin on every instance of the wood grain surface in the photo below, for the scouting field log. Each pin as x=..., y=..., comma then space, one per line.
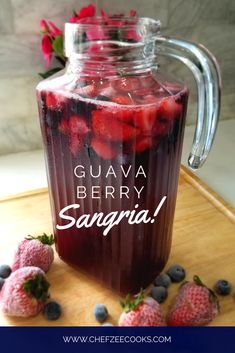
x=203, y=242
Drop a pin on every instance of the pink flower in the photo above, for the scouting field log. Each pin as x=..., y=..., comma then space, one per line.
x=74, y=19
x=46, y=48
x=96, y=33
x=133, y=13
x=54, y=31
x=88, y=11
x=132, y=34
x=104, y=15
x=44, y=26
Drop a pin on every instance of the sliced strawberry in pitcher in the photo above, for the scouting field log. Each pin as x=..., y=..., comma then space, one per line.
x=64, y=126
x=162, y=126
x=90, y=90
x=143, y=143
x=103, y=149
x=169, y=108
x=126, y=84
x=75, y=143
x=124, y=100
x=55, y=100
x=145, y=119
x=77, y=124
x=107, y=126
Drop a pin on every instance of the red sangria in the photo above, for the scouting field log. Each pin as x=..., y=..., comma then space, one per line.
x=113, y=129
x=114, y=146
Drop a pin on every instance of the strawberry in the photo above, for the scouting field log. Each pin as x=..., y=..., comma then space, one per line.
x=106, y=125
x=77, y=124
x=34, y=251
x=24, y=292
x=169, y=108
x=75, y=143
x=143, y=143
x=124, y=100
x=103, y=149
x=90, y=90
x=126, y=84
x=195, y=305
x=141, y=312
x=64, y=126
x=143, y=91
x=55, y=100
x=162, y=127
x=145, y=119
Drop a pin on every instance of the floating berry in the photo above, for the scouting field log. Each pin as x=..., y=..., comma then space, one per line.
x=89, y=91
x=169, y=108
x=106, y=126
x=103, y=149
x=126, y=84
x=55, y=100
x=124, y=100
x=143, y=143
x=75, y=143
x=77, y=124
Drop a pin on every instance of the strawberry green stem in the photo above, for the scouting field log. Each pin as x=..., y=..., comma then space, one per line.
x=44, y=238
x=37, y=287
x=129, y=304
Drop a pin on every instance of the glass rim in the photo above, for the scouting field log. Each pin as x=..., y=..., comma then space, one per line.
x=130, y=23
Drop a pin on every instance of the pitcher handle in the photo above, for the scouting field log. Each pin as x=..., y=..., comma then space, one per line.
x=207, y=75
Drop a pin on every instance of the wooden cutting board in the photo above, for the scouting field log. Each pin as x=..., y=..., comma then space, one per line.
x=203, y=242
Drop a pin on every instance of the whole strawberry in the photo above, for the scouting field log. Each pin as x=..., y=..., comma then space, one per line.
x=141, y=312
x=24, y=292
x=34, y=251
x=195, y=305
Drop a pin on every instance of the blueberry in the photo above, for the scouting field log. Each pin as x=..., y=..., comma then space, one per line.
x=107, y=324
x=159, y=294
x=176, y=273
x=52, y=119
x=102, y=98
x=2, y=280
x=162, y=280
x=52, y=311
x=5, y=271
x=100, y=312
x=223, y=287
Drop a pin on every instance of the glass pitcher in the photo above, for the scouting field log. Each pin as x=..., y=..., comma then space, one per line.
x=113, y=128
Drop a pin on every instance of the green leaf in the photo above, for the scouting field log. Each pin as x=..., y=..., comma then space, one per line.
x=128, y=304
x=50, y=72
x=57, y=46
x=37, y=287
x=44, y=238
